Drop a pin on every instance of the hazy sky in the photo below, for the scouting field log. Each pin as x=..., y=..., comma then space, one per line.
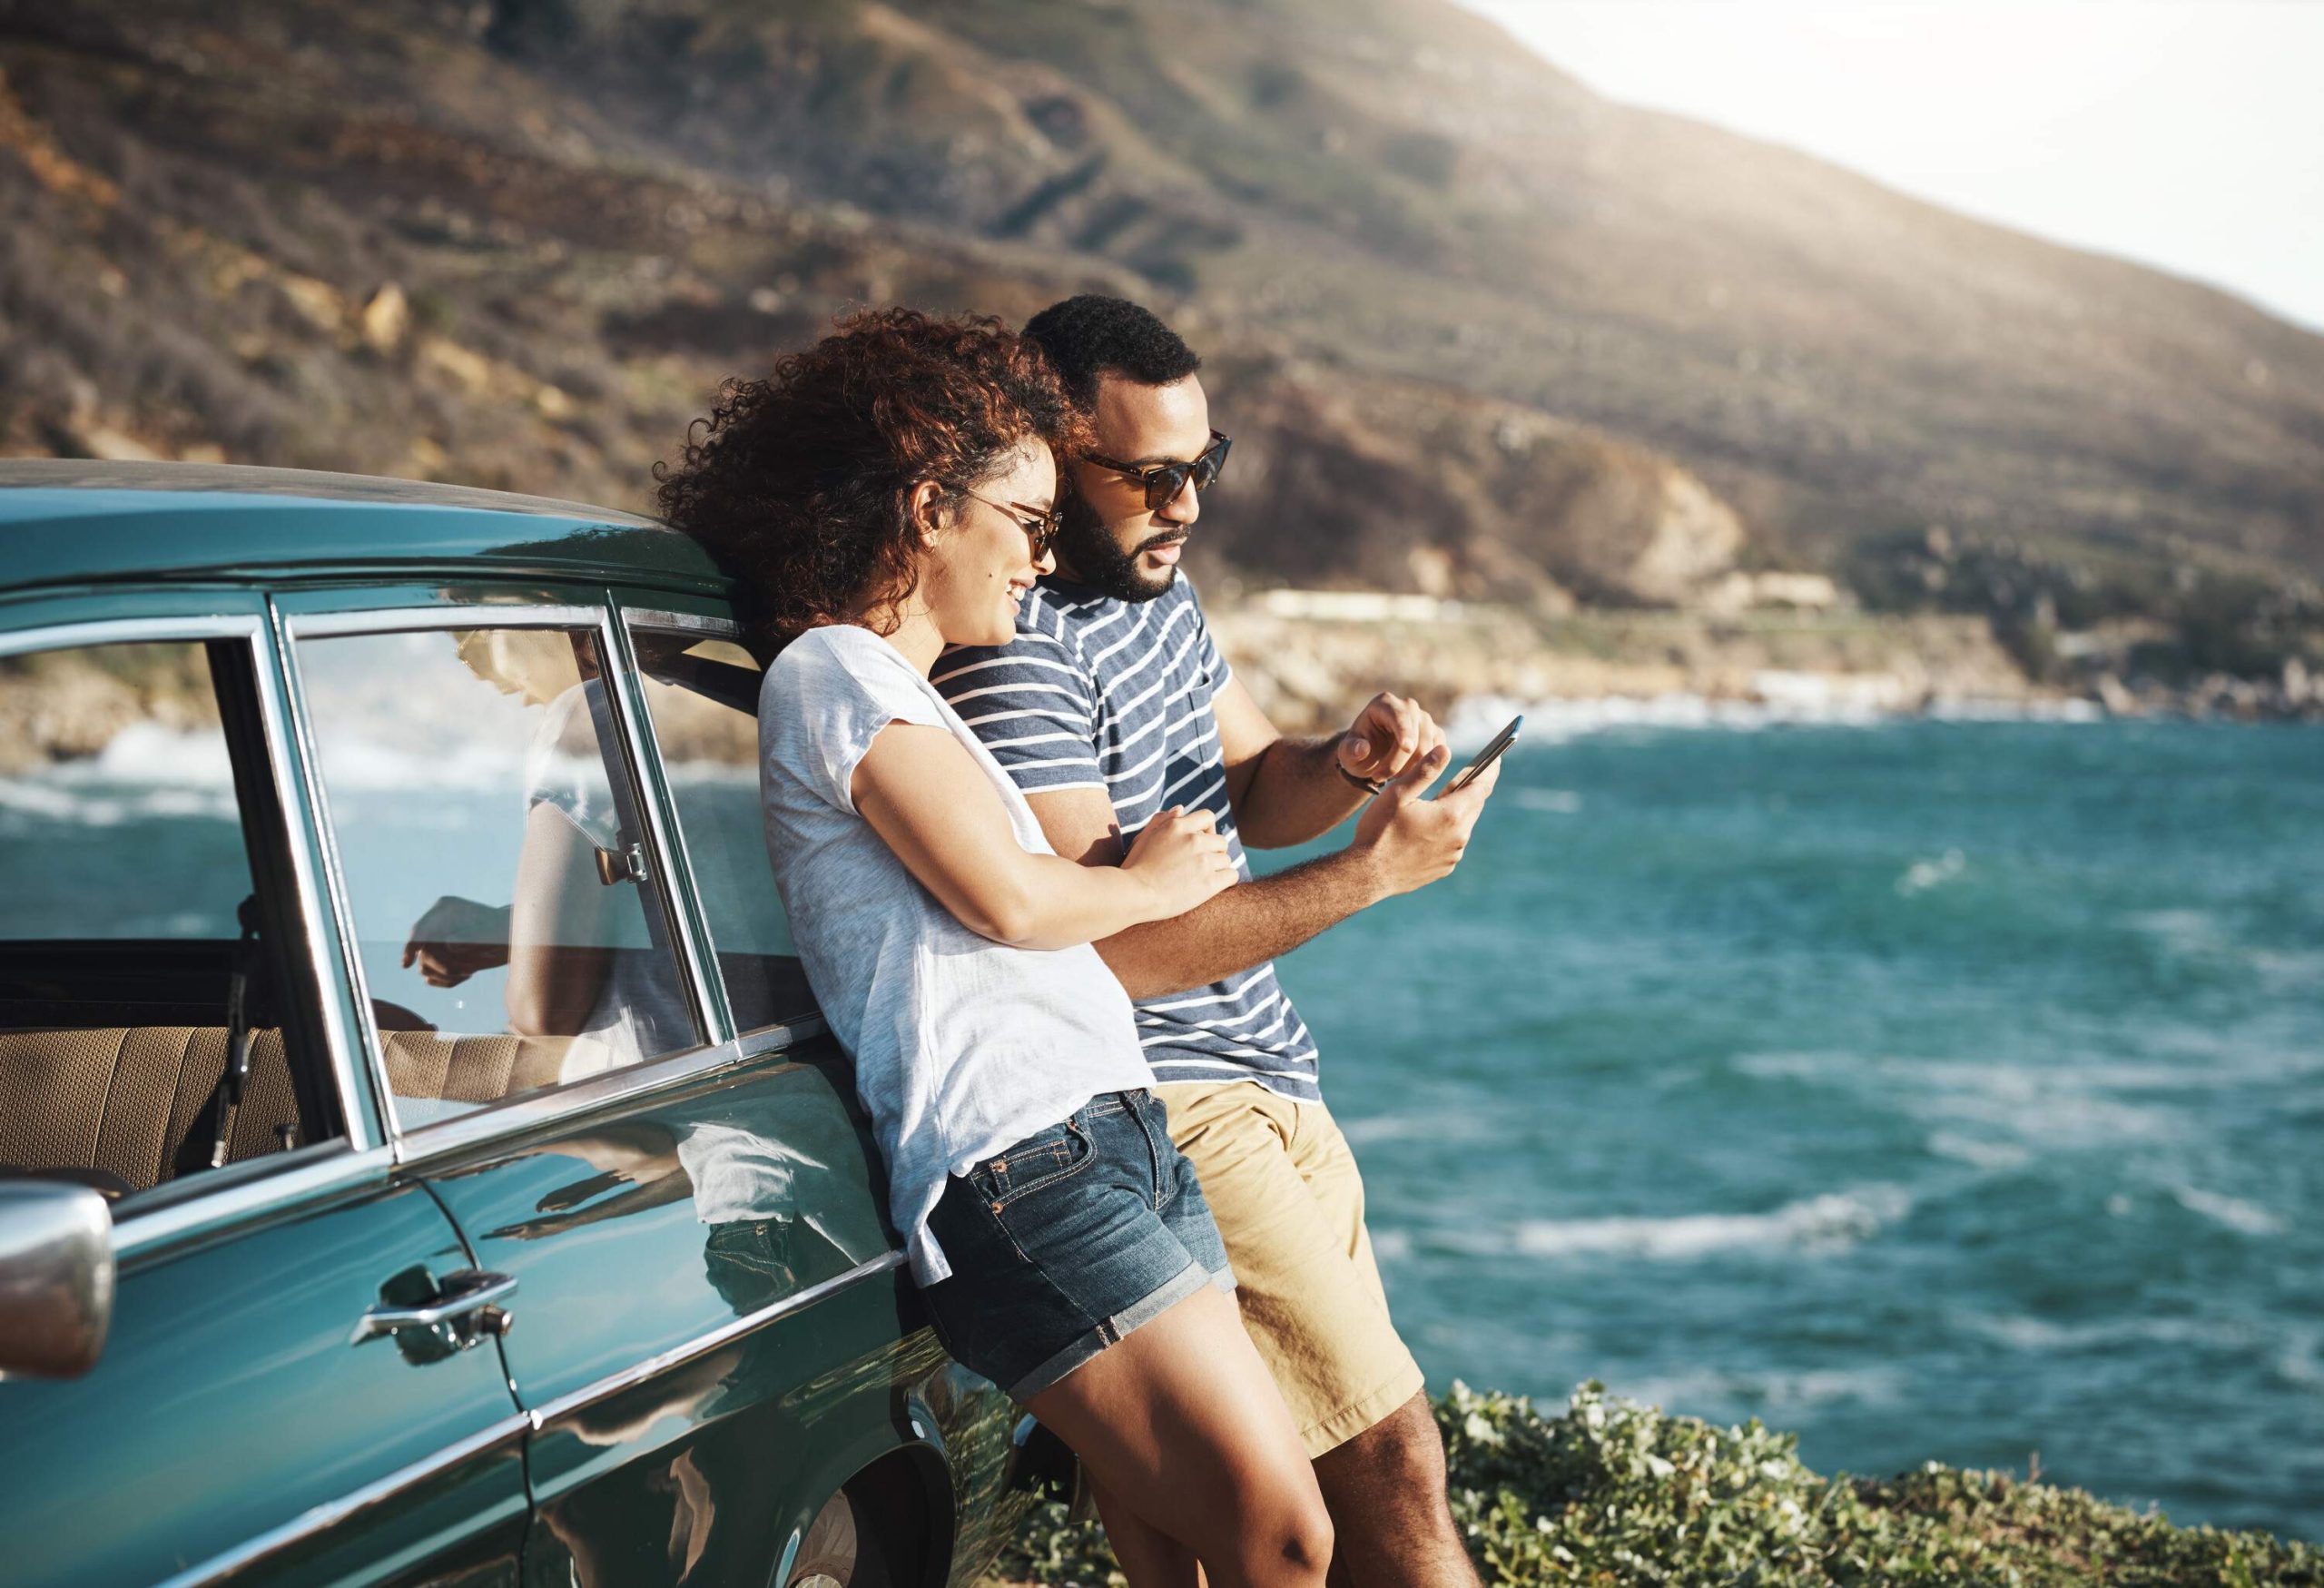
x=2184, y=133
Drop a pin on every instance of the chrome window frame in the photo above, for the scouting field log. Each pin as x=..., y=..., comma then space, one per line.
x=767, y=1039
x=348, y=1158
x=427, y=1142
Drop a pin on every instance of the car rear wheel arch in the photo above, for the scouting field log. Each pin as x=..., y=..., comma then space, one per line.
x=888, y=1526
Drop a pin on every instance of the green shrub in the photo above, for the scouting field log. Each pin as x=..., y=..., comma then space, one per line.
x=1613, y=1492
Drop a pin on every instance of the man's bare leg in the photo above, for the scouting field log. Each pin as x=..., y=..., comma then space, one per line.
x=1385, y=1490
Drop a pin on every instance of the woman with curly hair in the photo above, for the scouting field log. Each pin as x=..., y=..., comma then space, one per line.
x=887, y=493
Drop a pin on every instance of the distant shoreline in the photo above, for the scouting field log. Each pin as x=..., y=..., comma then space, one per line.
x=1600, y=668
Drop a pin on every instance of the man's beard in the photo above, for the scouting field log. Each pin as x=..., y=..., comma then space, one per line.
x=1098, y=560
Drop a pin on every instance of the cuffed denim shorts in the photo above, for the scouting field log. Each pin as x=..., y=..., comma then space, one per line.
x=1066, y=1241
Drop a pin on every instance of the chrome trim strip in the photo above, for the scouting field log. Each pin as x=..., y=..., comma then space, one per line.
x=323, y=1518
x=207, y=1209
x=703, y=1345
x=507, y=1117
x=776, y=1037
x=111, y=631
x=317, y=920
x=468, y=615
x=641, y=754
x=375, y=1063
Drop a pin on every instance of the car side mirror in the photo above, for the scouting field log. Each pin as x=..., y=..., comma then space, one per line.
x=56, y=1276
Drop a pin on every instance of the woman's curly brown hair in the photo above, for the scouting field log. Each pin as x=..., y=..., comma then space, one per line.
x=801, y=484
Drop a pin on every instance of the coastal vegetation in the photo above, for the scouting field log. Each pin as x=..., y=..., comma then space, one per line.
x=1608, y=1492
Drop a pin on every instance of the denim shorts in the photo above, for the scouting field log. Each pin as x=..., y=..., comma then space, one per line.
x=1066, y=1241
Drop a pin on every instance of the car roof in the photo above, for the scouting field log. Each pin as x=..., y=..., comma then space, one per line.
x=67, y=522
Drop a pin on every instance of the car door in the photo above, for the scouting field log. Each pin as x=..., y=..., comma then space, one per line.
x=298, y=1385
x=714, y=1335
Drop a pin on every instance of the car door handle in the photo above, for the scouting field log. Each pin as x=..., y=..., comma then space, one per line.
x=471, y=1294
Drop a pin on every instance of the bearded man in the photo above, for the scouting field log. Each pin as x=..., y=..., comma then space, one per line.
x=1112, y=705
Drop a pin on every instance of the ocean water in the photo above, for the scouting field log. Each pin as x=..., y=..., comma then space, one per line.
x=1937, y=1091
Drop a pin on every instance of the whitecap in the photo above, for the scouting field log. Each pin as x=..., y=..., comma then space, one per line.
x=1557, y=802
x=1413, y=1127
x=2232, y=1212
x=2024, y=1332
x=1834, y=1221
x=1979, y=1154
x=1820, y=1386
x=2181, y=932
x=1924, y=874
x=1791, y=1066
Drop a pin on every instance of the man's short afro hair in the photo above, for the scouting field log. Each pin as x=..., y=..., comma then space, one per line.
x=1090, y=336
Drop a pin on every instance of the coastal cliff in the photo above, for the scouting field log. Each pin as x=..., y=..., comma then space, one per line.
x=1480, y=334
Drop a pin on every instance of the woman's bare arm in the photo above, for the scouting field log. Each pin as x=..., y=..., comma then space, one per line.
x=933, y=805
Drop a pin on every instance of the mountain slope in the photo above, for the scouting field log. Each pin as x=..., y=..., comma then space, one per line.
x=1436, y=278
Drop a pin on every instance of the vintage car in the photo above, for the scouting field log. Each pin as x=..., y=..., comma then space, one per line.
x=420, y=1160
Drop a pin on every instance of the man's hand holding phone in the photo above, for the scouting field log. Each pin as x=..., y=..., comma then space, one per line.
x=1413, y=840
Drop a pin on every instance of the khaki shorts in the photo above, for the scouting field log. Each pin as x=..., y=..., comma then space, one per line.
x=1284, y=1187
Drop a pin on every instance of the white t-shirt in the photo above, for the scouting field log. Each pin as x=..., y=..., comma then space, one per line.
x=962, y=1045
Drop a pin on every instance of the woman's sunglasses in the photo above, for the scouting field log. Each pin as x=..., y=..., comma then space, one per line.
x=1041, y=525
x=1163, y=481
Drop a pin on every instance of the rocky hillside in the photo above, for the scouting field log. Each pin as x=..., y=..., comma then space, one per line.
x=1478, y=332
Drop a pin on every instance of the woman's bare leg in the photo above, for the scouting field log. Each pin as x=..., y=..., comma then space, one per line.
x=1181, y=1421
x=1150, y=1557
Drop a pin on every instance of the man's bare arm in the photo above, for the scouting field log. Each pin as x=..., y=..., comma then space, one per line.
x=1402, y=843
x=1288, y=791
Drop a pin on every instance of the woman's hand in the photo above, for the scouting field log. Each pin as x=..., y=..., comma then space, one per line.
x=1181, y=856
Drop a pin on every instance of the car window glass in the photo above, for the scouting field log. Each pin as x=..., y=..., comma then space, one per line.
x=117, y=809
x=509, y=920
x=127, y=881
x=702, y=697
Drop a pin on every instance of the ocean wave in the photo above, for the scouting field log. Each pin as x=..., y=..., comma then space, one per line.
x=36, y=801
x=2023, y=1332
x=1977, y=1153
x=1709, y=1389
x=145, y=772
x=1924, y=875
x=1832, y=1222
x=1415, y=1127
x=2229, y=1212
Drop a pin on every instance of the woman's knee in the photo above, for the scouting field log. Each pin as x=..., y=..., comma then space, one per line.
x=1285, y=1538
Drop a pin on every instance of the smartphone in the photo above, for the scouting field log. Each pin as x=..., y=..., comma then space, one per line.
x=1486, y=756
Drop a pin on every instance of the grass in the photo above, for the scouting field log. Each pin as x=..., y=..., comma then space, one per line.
x=1610, y=1492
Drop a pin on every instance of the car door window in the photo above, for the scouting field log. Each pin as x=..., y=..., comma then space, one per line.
x=508, y=914
x=702, y=696
x=135, y=957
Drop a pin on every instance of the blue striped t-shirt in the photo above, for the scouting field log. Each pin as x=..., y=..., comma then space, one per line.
x=1098, y=693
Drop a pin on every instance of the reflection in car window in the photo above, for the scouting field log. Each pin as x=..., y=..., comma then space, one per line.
x=511, y=929
x=131, y=958
x=703, y=696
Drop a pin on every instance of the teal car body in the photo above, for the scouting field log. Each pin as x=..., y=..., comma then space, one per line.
x=630, y=1322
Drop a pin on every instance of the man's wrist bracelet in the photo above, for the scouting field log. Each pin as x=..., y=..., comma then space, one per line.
x=1371, y=785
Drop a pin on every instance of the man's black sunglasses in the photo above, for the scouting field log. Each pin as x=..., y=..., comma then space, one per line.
x=1163, y=481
